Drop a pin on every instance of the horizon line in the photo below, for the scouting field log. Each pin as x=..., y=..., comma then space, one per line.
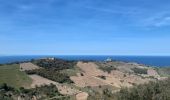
x=77, y=55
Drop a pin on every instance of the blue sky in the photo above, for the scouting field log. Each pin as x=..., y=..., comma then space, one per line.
x=84, y=27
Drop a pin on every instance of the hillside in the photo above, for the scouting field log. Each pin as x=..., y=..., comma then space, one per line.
x=12, y=75
x=164, y=71
x=81, y=80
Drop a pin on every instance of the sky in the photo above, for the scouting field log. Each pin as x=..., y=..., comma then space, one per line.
x=84, y=27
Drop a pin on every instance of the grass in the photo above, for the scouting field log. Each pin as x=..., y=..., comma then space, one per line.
x=11, y=75
x=139, y=70
x=71, y=72
x=164, y=72
x=100, y=89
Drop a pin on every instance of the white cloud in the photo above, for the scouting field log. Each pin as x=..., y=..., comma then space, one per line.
x=159, y=20
x=163, y=22
x=115, y=10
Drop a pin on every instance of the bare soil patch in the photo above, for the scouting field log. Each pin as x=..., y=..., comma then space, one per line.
x=116, y=78
x=39, y=81
x=84, y=81
x=82, y=96
x=90, y=75
x=28, y=66
x=152, y=72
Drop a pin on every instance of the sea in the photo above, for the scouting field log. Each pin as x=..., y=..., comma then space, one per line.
x=155, y=61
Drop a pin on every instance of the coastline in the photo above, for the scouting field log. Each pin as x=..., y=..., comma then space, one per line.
x=154, y=61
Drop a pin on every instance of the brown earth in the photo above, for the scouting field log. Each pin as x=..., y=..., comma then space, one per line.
x=116, y=78
x=39, y=81
x=90, y=75
x=63, y=89
x=82, y=96
x=28, y=66
x=152, y=72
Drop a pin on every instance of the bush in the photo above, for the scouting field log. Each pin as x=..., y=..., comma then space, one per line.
x=159, y=90
x=152, y=91
x=56, y=64
x=107, y=68
x=52, y=69
x=52, y=75
x=82, y=74
x=140, y=70
x=102, y=77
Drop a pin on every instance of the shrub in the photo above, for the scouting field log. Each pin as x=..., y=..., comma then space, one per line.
x=52, y=75
x=152, y=91
x=102, y=77
x=139, y=70
x=56, y=64
x=107, y=68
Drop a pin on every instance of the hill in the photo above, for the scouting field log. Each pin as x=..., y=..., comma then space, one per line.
x=84, y=80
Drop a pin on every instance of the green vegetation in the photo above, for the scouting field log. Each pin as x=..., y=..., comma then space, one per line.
x=159, y=90
x=152, y=91
x=60, y=71
x=164, y=71
x=105, y=94
x=17, y=81
x=57, y=70
x=56, y=64
x=107, y=68
x=52, y=75
x=70, y=72
x=10, y=74
x=40, y=93
x=139, y=70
